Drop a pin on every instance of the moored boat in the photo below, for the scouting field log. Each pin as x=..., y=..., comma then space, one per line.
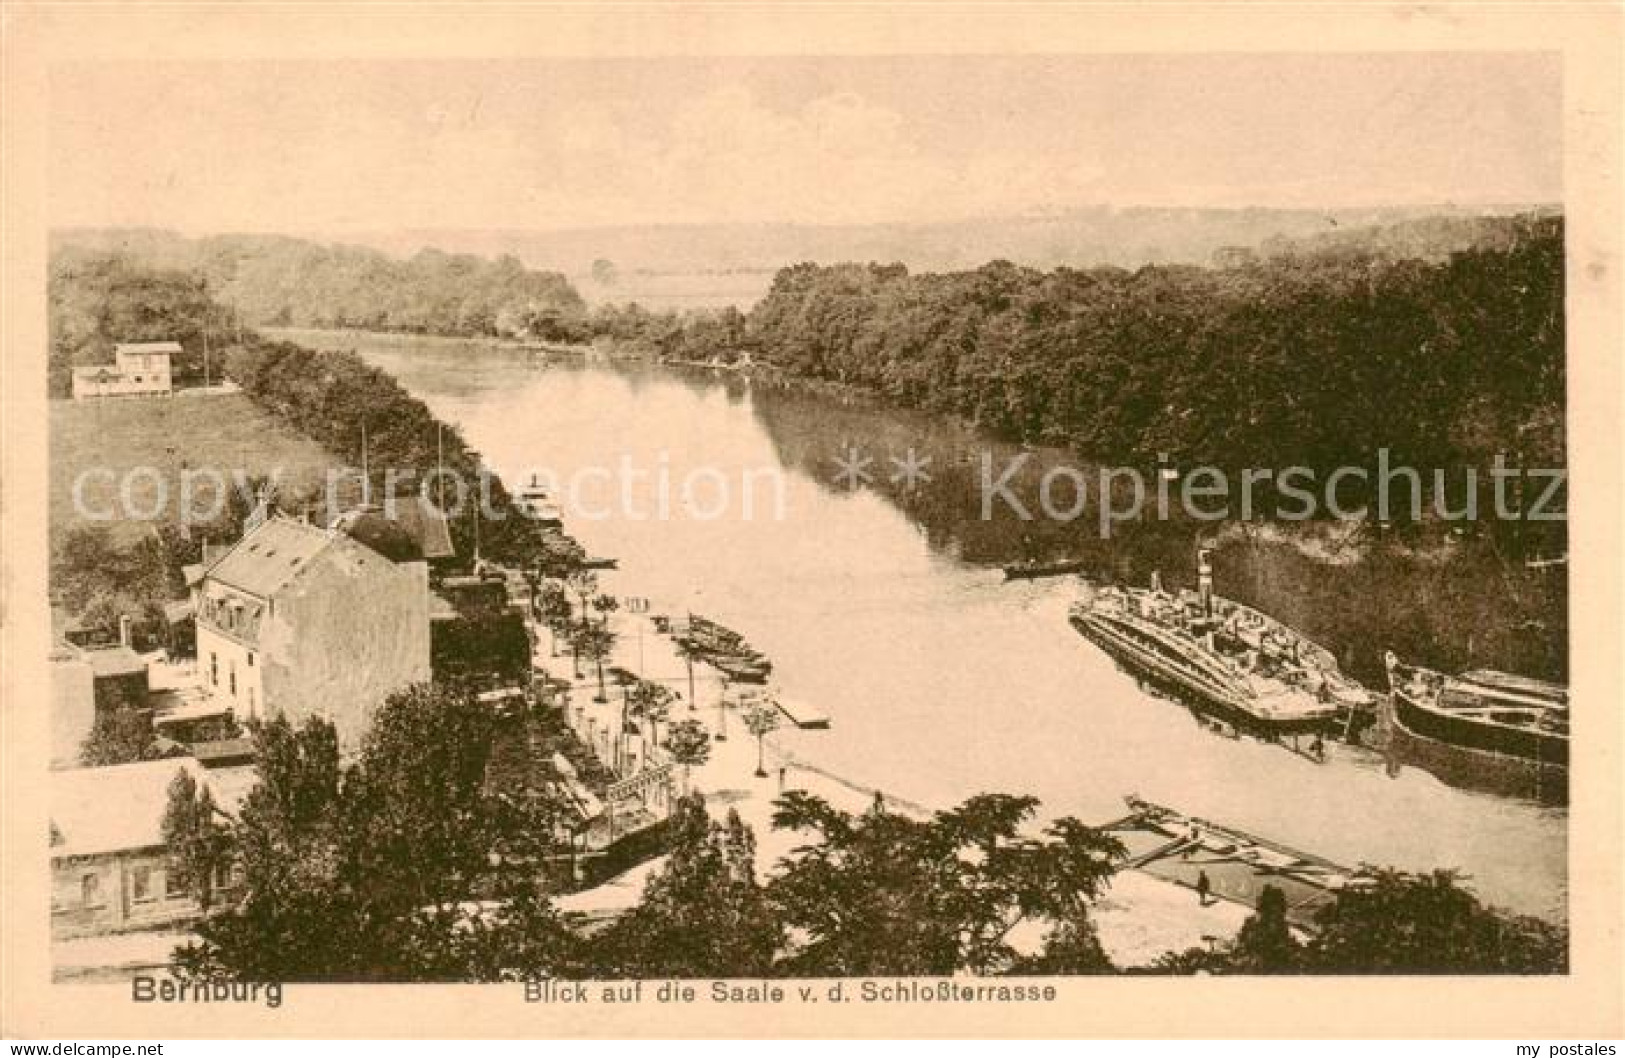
x=535, y=502
x=1036, y=570
x=752, y=668
x=725, y=650
x=1494, y=712
x=1228, y=657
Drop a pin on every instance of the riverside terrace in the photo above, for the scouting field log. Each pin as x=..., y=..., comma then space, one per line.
x=1152, y=907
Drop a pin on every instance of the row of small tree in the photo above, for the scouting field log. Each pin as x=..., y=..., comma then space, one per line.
x=406, y=865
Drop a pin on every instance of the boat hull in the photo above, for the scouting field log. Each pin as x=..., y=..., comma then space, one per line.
x=1202, y=694
x=1038, y=572
x=1441, y=726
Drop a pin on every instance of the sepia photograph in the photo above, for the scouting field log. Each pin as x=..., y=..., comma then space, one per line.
x=678, y=527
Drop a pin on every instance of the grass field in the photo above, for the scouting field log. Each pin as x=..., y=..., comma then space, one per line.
x=147, y=443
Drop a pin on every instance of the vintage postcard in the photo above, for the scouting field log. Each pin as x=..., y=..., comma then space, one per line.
x=734, y=520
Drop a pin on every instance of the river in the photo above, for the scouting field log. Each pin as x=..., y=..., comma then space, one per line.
x=884, y=606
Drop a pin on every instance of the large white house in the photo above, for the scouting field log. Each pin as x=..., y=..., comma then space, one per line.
x=300, y=621
x=138, y=369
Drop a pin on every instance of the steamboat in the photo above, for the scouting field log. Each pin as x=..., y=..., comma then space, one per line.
x=1230, y=659
x=1494, y=712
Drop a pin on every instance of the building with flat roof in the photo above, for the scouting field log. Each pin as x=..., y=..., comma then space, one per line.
x=109, y=864
x=139, y=369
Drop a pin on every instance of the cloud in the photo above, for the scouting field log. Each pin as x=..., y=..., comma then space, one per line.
x=380, y=146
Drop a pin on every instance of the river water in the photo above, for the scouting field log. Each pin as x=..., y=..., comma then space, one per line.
x=884, y=606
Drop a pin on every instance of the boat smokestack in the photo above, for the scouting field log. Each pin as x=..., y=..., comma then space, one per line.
x=1204, y=580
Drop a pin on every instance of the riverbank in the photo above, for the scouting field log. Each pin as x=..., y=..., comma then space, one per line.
x=303, y=336
x=1139, y=919
x=884, y=608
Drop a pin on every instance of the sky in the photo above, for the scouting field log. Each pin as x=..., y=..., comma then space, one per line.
x=330, y=147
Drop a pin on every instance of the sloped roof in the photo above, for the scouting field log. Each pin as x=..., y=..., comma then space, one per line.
x=269, y=556
x=426, y=524
x=147, y=347
x=221, y=752
x=97, y=810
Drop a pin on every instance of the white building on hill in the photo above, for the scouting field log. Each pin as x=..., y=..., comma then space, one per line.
x=139, y=369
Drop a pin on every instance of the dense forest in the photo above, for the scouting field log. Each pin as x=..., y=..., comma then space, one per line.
x=98, y=300
x=334, y=397
x=263, y=280
x=1314, y=355
x=1440, y=339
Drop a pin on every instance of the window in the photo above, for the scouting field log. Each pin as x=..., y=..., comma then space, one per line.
x=225, y=877
x=251, y=701
x=172, y=884
x=233, y=677
x=141, y=887
x=214, y=668
x=90, y=890
x=250, y=659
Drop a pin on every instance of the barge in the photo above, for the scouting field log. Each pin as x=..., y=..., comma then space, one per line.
x=1485, y=710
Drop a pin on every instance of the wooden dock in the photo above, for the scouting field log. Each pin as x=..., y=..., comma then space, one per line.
x=802, y=715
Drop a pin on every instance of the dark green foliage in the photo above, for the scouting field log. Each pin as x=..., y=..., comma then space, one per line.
x=91, y=575
x=1265, y=943
x=882, y=894
x=1429, y=924
x=689, y=743
x=369, y=871
x=1311, y=358
x=198, y=842
x=330, y=396
x=122, y=733
x=277, y=281
x=593, y=644
x=480, y=644
x=1393, y=923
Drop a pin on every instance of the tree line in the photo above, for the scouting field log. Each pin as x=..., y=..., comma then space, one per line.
x=156, y=286
x=346, y=404
x=95, y=301
x=1317, y=354
x=407, y=864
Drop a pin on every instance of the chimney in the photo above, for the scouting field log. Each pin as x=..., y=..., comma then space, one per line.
x=1204, y=580
x=1156, y=581
x=264, y=506
x=124, y=629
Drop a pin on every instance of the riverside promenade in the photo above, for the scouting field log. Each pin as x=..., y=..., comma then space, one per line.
x=1140, y=917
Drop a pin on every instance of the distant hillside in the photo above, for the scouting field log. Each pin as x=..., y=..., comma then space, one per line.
x=457, y=282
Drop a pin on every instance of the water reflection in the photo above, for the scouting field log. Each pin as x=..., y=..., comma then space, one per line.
x=885, y=606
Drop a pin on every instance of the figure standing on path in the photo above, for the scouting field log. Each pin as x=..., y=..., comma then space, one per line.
x=1204, y=888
